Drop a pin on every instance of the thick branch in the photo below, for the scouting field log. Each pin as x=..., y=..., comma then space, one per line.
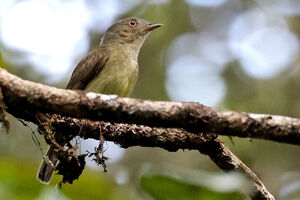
x=24, y=98
x=127, y=135
x=170, y=139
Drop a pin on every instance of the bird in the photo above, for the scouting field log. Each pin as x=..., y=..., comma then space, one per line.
x=111, y=68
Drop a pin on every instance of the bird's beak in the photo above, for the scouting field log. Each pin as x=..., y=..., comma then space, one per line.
x=151, y=27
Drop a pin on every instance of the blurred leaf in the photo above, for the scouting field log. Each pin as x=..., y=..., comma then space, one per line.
x=162, y=187
x=18, y=181
x=93, y=185
x=216, y=181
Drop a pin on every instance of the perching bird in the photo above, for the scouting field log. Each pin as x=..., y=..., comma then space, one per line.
x=111, y=68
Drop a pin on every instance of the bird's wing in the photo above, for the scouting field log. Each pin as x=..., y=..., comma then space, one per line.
x=87, y=69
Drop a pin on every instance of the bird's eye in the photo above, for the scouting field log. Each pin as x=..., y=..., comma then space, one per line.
x=132, y=23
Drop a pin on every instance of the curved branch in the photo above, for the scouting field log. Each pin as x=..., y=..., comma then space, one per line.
x=227, y=161
x=127, y=135
x=24, y=98
x=170, y=139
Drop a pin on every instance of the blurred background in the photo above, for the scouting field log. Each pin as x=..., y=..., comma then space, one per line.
x=239, y=55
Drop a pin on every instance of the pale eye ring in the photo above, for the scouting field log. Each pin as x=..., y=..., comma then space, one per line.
x=132, y=23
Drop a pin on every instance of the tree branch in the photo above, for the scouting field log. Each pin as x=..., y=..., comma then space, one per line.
x=24, y=98
x=227, y=161
x=171, y=139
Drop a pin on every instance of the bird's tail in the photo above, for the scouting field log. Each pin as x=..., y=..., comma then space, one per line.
x=47, y=166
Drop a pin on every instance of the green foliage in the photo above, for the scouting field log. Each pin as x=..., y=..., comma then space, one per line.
x=93, y=185
x=16, y=179
x=18, y=182
x=162, y=187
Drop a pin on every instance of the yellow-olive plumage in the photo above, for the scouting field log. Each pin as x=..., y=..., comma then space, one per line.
x=118, y=75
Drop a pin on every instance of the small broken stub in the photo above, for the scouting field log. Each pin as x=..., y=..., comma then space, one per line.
x=100, y=159
x=104, y=97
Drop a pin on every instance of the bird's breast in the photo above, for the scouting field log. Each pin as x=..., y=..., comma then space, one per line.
x=118, y=76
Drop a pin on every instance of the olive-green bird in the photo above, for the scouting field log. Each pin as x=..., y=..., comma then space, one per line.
x=111, y=68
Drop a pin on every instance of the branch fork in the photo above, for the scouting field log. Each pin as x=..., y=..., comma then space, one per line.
x=135, y=122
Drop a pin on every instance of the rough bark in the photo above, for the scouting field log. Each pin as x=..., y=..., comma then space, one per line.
x=171, y=139
x=24, y=98
x=182, y=125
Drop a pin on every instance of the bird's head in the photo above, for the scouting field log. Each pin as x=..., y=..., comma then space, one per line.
x=132, y=31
